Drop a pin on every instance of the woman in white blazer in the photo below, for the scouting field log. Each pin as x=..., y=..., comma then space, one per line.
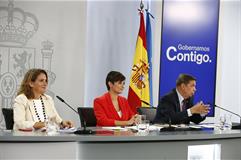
x=32, y=107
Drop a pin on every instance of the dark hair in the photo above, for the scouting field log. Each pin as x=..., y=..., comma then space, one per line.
x=30, y=76
x=114, y=76
x=184, y=78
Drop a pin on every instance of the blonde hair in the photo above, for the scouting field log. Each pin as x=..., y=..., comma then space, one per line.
x=30, y=76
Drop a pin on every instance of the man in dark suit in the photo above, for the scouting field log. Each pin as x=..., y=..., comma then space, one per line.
x=177, y=106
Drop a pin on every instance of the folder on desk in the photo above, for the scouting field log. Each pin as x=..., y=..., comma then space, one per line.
x=184, y=128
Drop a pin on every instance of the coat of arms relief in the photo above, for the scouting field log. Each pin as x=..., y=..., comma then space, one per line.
x=17, y=27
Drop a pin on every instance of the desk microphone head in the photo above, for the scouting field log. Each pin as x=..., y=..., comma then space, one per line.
x=61, y=99
x=216, y=106
x=147, y=103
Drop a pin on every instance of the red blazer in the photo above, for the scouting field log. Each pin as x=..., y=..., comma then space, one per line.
x=105, y=112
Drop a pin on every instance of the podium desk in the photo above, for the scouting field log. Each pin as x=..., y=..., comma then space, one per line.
x=121, y=145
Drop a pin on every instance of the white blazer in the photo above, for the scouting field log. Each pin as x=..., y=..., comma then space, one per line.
x=24, y=114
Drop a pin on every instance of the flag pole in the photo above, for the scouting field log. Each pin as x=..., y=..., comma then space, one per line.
x=141, y=6
x=149, y=50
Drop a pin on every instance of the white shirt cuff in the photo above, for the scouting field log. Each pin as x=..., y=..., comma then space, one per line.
x=189, y=113
x=203, y=115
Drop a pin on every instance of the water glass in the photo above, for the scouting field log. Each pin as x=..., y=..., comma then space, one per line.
x=51, y=126
x=140, y=118
x=225, y=122
x=222, y=122
x=143, y=126
x=228, y=124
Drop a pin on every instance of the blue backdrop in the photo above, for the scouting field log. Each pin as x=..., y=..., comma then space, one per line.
x=189, y=45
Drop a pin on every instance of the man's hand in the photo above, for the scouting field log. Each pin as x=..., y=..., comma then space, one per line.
x=200, y=108
x=67, y=124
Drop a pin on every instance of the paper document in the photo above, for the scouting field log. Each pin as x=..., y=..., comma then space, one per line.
x=208, y=125
x=67, y=130
x=131, y=127
x=115, y=128
x=203, y=125
x=151, y=127
x=154, y=127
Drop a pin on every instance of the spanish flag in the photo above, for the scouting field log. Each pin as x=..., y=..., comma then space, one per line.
x=139, y=81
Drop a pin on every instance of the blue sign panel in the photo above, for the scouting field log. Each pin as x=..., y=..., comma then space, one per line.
x=189, y=45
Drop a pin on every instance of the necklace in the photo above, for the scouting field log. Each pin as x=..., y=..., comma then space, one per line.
x=35, y=109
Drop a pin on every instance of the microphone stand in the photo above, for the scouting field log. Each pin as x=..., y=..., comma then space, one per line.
x=83, y=123
x=234, y=125
x=84, y=131
x=170, y=127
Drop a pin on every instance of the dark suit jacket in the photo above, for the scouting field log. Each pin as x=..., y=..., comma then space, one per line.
x=105, y=112
x=169, y=109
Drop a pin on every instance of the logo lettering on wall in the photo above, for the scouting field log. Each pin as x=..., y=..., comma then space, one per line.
x=185, y=53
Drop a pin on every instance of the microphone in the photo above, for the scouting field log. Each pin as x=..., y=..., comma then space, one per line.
x=147, y=104
x=170, y=127
x=234, y=125
x=61, y=99
x=84, y=131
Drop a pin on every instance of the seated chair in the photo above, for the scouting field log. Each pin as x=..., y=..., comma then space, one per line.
x=8, y=116
x=87, y=115
x=150, y=113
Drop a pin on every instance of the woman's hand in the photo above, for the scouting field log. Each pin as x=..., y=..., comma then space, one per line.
x=38, y=125
x=66, y=124
x=137, y=118
x=133, y=120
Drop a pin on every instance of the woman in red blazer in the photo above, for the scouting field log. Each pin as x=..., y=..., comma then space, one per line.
x=111, y=109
